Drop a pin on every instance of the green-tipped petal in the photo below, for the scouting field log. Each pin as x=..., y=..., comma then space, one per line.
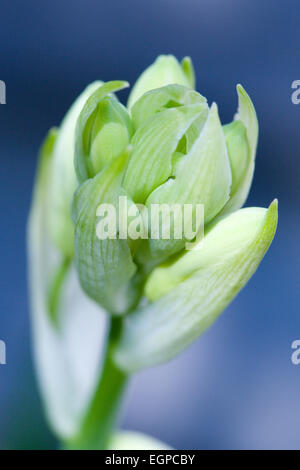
x=166, y=70
x=105, y=266
x=238, y=153
x=188, y=69
x=194, y=290
x=154, y=101
x=87, y=159
x=247, y=115
x=63, y=181
x=153, y=144
x=110, y=135
x=202, y=176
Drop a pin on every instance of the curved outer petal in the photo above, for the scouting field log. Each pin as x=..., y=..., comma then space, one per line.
x=82, y=167
x=105, y=266
x=247, y=115
x=166, y=70
x=195, y=295
x=67, y=355
x=110, y=135
x=63, y=177
x=238, y=152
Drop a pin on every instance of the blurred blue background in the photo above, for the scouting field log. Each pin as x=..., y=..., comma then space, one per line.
x=236, y=387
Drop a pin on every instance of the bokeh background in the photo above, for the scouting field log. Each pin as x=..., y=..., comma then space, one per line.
x=236, y=387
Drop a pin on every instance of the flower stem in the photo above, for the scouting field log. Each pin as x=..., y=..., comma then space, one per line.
x=102, y=414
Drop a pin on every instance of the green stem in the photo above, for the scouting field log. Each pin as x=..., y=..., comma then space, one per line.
x=101, y=417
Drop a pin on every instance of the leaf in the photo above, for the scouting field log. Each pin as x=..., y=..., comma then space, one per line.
x=194, y=289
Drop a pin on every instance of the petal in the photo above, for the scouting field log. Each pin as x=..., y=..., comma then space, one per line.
x=247, y=115
x=153, y=146
x=194, y=291
x=188, y=69
x=166, y=70
x=84, y=128
x=157, y=100
x=202, y=176
x=74, y=319
x=105, y=266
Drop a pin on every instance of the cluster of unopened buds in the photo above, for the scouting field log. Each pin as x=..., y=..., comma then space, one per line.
x=108, y=303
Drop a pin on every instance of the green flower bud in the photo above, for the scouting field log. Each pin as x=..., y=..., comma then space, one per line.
x=166, y=70
x=167, y=149
x=63, y=180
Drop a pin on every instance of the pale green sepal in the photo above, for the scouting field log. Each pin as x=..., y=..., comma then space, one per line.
x=188, y=69
x=193, y=293
x=84, y=166
x=153, y=144
x=105, y=266
x=63, y=178
x=247, y=115
x=202, y=176
x=166, y=70
x=129, y=440
x=66, y=379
